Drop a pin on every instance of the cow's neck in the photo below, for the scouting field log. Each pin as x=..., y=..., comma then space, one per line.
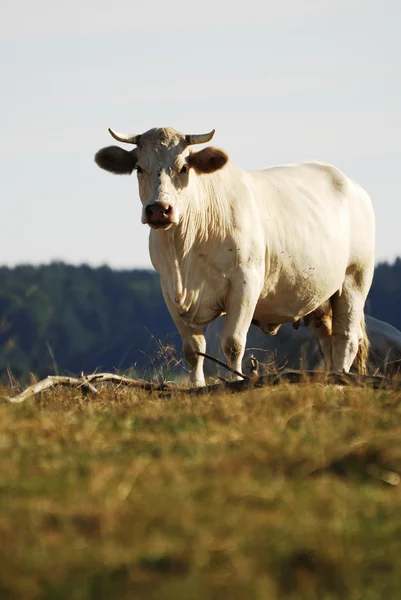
x=185, y=275
x=207, y=217
x=177, y=270
x=204, y=225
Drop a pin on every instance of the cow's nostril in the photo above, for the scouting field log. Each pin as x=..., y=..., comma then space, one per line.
x=158, y=212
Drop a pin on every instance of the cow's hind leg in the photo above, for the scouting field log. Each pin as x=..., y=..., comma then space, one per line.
x=321, y=323
x=325, y=338
x=348, y=319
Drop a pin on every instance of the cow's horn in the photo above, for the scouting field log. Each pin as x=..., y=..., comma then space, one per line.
x=200, y=138
x=128, y=138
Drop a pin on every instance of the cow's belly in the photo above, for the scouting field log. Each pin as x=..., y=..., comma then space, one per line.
x=268, y=312
x=293, y=297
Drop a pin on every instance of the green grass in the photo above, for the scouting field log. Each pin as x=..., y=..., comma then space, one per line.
x=289, y=492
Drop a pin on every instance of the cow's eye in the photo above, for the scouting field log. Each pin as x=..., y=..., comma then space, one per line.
x=139, y=169
x=184, y=169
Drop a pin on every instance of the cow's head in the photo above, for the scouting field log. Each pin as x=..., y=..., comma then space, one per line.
x=163, y=161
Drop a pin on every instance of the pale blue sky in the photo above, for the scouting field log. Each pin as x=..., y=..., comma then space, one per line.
x=279, y=81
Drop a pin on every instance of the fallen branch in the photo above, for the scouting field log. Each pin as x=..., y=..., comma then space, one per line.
x=85, y=382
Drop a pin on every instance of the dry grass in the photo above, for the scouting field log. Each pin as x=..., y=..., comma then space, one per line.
x=289, y=492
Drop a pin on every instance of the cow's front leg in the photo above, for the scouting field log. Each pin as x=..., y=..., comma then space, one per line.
x=239, y=314
x=192, y=343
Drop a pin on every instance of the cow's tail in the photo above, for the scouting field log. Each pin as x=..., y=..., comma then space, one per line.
x=361, y=359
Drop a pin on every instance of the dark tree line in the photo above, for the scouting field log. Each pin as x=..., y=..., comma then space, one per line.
x=81, y=318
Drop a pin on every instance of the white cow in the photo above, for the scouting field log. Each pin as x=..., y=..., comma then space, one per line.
x=300, y=349
x=265, y=246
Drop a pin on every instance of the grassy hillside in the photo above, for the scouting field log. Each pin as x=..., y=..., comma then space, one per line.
x=291, y=492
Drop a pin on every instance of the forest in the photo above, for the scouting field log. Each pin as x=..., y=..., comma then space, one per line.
x=64, y=319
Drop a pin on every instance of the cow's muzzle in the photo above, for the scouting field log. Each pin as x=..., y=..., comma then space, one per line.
x=159, y=214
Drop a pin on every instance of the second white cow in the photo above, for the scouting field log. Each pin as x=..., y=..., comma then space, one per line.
x=300, y=349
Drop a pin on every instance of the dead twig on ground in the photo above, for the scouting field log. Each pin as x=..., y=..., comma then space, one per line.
x=85, y=382
x=223, y=364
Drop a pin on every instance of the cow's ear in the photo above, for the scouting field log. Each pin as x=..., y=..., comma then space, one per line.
x=116, y=160
x=207, y=160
